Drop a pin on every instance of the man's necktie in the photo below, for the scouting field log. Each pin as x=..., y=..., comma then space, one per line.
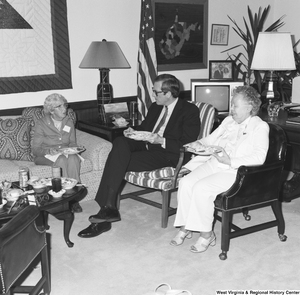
x=162, y=121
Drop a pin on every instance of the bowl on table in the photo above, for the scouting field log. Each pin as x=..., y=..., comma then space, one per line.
x=39, y=189
x=68, y=183
x=39, y=185
x=56, y=195
x=13, y=195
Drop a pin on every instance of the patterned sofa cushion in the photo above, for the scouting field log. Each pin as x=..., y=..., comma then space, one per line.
x=15, y=139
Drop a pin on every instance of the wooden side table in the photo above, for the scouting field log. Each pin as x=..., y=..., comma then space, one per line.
x=108, y=132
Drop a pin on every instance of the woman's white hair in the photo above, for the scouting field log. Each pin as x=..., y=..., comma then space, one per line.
x=52, y=101
x=251, y=96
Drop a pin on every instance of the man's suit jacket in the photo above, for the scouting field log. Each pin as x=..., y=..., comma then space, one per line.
x=183, y=126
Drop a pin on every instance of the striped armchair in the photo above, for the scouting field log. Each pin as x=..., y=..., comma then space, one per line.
x=166, y=179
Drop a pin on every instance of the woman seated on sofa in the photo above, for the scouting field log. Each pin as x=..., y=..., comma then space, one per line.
x=243, y=139
x=55, y=131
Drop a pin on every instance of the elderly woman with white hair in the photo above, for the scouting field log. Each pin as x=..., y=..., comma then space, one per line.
x=55, y=131
x=242, y=139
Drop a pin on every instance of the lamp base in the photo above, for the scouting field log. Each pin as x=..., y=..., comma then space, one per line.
x=104, y=94
x=270, y=94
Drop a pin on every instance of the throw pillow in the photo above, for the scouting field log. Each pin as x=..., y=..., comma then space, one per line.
x=15, y=139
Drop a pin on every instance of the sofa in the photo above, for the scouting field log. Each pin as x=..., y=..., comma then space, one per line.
x=16, y=134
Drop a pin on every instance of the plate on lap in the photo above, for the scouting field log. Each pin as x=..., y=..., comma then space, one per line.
x=206, y=151
x=72, y=150
x=139, y=135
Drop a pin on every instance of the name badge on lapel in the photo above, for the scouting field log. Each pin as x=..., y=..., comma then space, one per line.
x=67, y=128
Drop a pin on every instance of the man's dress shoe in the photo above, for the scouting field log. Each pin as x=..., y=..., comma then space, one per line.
x=106, y=214
x=95, y=229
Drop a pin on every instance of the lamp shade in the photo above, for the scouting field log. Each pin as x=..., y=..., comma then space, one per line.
x=273, y=52
x=104, y=55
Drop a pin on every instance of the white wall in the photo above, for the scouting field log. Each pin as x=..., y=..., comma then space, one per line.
x=117, y=20
x=292, y=19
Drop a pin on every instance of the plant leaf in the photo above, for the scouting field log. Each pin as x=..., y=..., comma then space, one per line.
x=249, y=37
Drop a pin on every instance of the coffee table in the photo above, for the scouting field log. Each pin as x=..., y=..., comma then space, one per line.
x=60, y=208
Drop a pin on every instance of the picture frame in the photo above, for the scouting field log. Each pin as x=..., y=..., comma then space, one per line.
x=221, y=70
x=219, y=34
x=108, y=112
x=59, y=53
x=174, y=53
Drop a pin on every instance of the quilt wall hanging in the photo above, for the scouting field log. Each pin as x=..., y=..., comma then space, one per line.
x=34, y=46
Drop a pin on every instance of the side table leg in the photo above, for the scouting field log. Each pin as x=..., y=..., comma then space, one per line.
x=68, y=218
x=45, y=219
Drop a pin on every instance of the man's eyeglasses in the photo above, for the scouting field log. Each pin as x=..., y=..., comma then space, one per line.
x=63, y=105
x=157, y=92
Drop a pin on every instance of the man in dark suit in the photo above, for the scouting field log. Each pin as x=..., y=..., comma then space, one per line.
x=172, y=122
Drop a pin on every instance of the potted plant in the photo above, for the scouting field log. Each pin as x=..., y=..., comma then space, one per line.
x=243, y=60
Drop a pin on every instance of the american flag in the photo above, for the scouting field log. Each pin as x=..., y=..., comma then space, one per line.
x=147, y=65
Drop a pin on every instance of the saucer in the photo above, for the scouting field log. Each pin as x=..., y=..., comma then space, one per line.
x=56, y=195
x=120, y=125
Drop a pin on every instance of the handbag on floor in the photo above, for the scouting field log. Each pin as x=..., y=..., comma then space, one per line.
x=165, y=289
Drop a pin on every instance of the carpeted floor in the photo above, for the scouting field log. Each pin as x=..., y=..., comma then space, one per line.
x=135, y=256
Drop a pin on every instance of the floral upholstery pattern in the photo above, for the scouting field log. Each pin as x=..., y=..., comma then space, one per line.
x=15, y=139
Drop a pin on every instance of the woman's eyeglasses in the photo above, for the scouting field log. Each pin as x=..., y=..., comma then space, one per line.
x=63, y=105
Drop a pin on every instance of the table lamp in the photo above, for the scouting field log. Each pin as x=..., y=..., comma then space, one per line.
x=104, y=55
x=273, y=52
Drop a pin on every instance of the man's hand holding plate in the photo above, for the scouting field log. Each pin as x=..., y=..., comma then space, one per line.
x=154, y=138
x=128, y=131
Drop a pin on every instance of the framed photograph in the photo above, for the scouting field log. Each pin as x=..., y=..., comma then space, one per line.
x=219, y=34
x=221, y=70
x=181, y=34
x=110, y=111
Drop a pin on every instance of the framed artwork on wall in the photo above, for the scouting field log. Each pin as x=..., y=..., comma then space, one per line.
x=35, y=42
x=221, y=70
x=219, y=34
x=181, y=28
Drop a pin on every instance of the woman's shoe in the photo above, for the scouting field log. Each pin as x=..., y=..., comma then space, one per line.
x=202, y=244
x=179, y=238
